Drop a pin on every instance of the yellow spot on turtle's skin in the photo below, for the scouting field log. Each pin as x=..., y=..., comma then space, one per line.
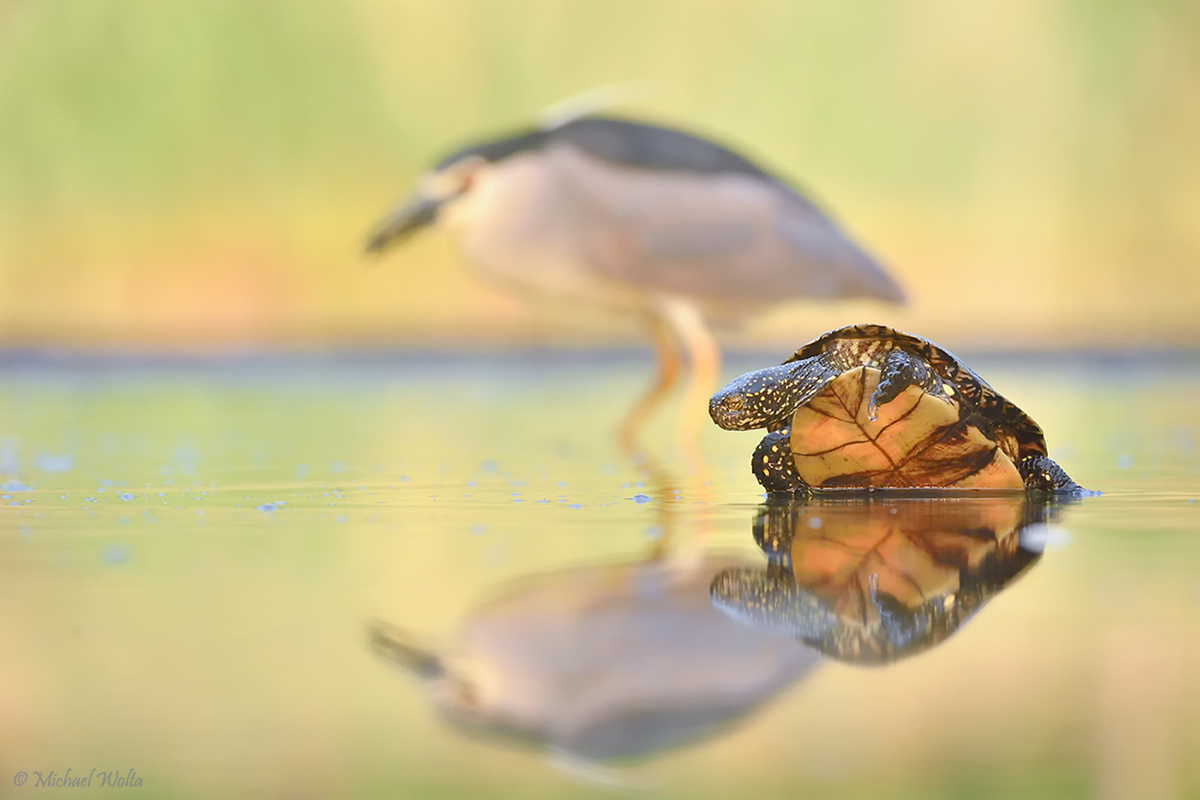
x=949, y=390
x=766, y=471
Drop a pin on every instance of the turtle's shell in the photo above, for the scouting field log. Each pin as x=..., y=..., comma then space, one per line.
x=919, y=440
x=860, y=344
x=970, y=436
x=870, y=583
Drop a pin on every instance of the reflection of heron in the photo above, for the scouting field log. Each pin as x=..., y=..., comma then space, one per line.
x=872, y=582
x=604, y=662
x=641, y=219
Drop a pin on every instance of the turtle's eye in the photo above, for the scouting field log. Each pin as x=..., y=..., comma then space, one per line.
x=735, y=402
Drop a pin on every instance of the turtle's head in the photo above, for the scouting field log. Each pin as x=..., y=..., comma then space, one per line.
x=757, y=399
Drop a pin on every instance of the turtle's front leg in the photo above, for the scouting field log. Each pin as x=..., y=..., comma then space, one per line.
x=774, y=465
x=1041, y=474
x=899, y=371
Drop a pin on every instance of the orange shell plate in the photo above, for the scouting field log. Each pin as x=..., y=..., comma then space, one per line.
x=917, y=442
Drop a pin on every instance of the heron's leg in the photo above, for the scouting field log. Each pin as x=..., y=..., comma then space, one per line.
x=774, y=465
x=1041, y=474
x=667, y=358
x=686, y=321
x=899, y=371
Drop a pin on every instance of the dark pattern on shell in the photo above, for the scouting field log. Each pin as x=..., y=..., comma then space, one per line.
x=868, y=345
x=774, y=601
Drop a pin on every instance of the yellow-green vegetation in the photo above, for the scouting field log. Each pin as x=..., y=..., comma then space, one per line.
x=200, y=174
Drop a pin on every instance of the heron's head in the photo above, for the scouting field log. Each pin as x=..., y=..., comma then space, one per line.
x=439, y=188
x=463, y=691
x=455, y=178
x=758, y=399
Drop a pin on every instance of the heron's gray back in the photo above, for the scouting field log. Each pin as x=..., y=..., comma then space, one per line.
x=731, y=238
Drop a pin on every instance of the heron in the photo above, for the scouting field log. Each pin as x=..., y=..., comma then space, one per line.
x=676, y=230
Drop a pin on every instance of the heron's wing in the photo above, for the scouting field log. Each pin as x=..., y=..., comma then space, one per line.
x=643, y=146
x=741, y=238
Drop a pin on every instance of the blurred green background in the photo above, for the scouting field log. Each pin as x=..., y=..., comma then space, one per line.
x=198, y=175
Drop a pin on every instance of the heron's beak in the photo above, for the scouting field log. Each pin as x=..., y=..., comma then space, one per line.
x=393, y=645
x=406, y=219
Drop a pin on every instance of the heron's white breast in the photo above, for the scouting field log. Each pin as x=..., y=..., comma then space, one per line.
x=518, y=223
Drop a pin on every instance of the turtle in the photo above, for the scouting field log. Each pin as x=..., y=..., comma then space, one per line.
x=873, y=582
x=868, y=407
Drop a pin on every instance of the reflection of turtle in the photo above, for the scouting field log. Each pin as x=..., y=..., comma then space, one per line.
x=868, y=407
x=874, y=582
x=604, y=662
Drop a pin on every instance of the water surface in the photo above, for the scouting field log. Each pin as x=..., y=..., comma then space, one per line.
x=213, y=572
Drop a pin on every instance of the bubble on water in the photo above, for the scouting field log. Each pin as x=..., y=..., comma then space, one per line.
x=126, y=496
x=575, y=506
x=1043, y=536
x=471, y=484
x=9, y=460
x=115, y=555
x=13, y=485
x=489, y=466
x=641, y=498
x=48, y=462
x=267, y=508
